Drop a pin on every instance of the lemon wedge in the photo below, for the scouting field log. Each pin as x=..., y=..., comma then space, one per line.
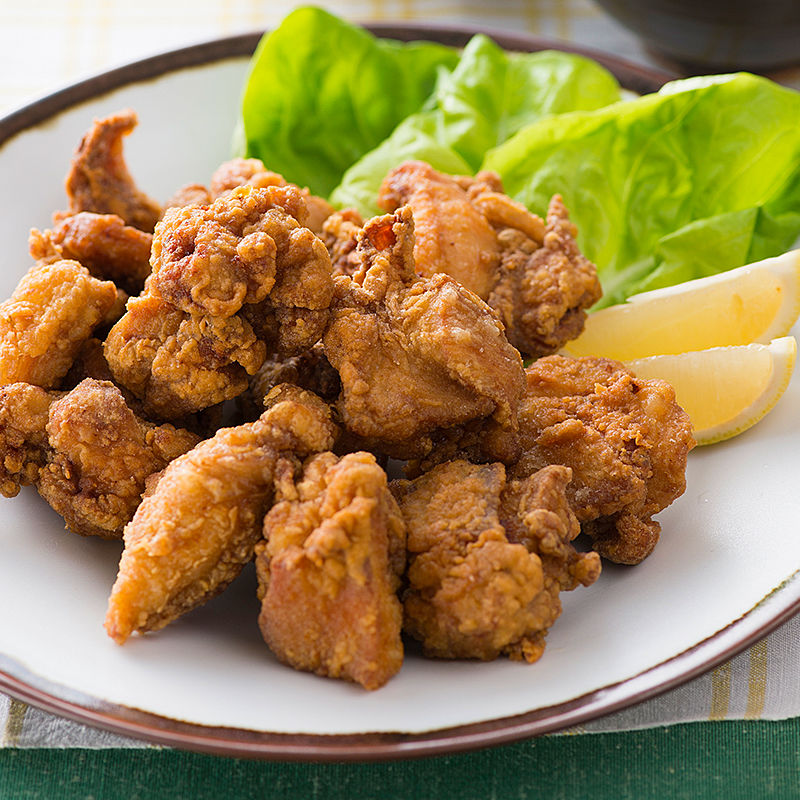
x=755, y=303
x=724, y=390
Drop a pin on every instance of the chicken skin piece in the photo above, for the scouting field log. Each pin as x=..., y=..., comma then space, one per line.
x=531, y=273
x=53, y=310
x=99, y=180
x=452, y=236
x=329, y=569
x=199, y=524
x=625, y=438
x=85, y=451
x=230, y=283
x=414, y=354
x=103, y=243
x=488, y=558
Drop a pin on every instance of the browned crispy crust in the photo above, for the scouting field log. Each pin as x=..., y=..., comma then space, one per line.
x=230, y=282
x=340, y=234
x=252, y=172
x=85, y=451
x=532, y=274
x=53, y=310
x=414, y=354
x=542, y=292
x=625, y=439
x=103, y=243
x=329, y=568
x=488, y=559
x=99, y=180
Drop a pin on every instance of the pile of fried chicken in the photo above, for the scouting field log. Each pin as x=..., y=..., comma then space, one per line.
x=226, y=378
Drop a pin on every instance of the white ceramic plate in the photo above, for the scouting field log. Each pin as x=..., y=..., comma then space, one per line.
x=725, y=572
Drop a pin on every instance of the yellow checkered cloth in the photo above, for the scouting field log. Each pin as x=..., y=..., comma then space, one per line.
x=47, y=44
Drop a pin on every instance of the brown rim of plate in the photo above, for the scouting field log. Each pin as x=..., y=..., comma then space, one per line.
x=18, y=682
x=639, y=79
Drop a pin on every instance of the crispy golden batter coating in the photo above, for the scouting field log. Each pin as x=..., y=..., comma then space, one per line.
x=452, y=236
x=252, y=172
x=329, y=569
x=103, y=243
x=625, y=438
x=198, y=526
x=24, y=410
x=414, y=354
x=85, y=451
x=99, y=180
x=191, y=194
x=213, y=259
x=488, y=559
x=176, y=363
x=230, y=282
x=544, y=288
x=53, y=310
x=532, y=274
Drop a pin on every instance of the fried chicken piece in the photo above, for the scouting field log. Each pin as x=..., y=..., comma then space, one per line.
x=85, y=451
x=625, y=438
x=542, y=292
x=198, y=527
x=230, y=282
x=452, y=236
x=489, y=557
x=53, y=310
x=340, y=234
x=532, y=274
x=252, y=172
x=485, y=193
x=103, y=243
x=90, y=362
x=414, y=355
x=99, y=180
x=176, y=363
x=329, y=568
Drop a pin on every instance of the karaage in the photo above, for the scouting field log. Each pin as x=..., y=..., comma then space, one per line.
x=53, y=310
x=103, y=243
x=99, y=180
x=329, y=568
x=488, y=557
x=230, y=283
x=252, y=172
x=414, y=354
x=532, y=274
x=85, y=451
x=625, y=439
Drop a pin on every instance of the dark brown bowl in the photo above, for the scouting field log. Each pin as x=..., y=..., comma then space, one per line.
x=716, y=34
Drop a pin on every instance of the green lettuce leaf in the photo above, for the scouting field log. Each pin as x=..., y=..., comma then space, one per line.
x=489, y=96
x=322, y=92
x=701, y=177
